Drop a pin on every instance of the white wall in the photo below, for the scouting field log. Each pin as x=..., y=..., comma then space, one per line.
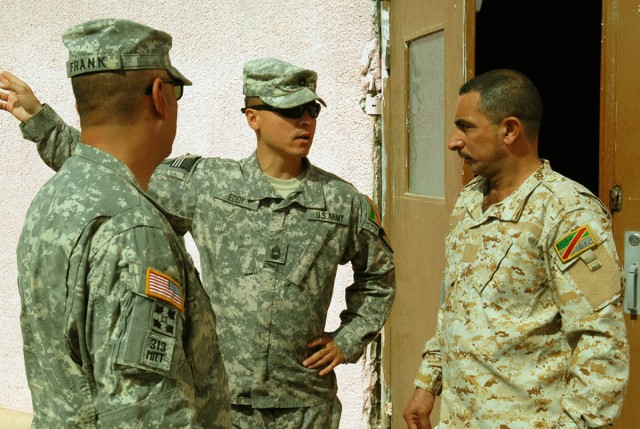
x=212, y=39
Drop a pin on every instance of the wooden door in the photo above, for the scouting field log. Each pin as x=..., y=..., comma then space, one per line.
x=430, y=48
x=620, y=153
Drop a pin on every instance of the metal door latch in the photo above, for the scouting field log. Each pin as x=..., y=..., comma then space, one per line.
x=615, y=199
x=631, y=269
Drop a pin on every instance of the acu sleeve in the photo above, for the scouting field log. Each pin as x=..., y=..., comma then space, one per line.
x=371, y=295
x=55, y=139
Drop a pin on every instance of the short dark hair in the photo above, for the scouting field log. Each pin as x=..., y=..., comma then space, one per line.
x=505, y=93
x=111, y=97
x=252, y=101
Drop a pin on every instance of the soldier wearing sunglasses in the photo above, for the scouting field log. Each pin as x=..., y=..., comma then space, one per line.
x=271, y=230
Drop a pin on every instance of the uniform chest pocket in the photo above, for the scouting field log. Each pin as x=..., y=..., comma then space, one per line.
x=232, y=238
x=235, y=255
x=507, y=276
x=308, y=254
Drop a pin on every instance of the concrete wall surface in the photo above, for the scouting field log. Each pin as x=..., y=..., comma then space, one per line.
x=211, y=41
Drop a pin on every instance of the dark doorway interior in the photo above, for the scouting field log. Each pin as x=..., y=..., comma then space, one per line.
x=557, y=45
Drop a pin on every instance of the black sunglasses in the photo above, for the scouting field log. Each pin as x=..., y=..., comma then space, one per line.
x=312, y=108
x=178, y=88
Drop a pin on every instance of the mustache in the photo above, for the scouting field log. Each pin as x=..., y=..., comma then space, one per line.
x=464, y=156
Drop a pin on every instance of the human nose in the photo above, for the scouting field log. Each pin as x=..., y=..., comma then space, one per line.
x=455, y=141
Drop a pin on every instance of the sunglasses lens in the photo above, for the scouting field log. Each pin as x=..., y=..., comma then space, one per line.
x=297, y=112
x=292, y=113
x=312, y=108
x=178, y=90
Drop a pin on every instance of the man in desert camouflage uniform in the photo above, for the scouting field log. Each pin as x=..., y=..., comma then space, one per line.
x=118, y=331
x=271, y=230
x=531, y=332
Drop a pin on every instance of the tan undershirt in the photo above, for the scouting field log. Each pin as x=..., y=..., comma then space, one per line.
x=284, y=186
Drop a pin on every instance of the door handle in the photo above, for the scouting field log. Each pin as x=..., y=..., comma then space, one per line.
x=631, y=297
x=631, y=268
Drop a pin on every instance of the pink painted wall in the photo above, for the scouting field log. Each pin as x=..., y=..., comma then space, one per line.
x=212, y=39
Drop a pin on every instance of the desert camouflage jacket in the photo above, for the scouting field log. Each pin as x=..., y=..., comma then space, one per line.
x=531, y=333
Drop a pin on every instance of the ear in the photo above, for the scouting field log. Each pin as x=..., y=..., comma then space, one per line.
x=512, y=129
x=159, y=95
x=252, y=119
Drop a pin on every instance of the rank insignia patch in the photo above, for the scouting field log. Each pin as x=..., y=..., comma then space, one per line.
x=165, y=288
x=574, y=243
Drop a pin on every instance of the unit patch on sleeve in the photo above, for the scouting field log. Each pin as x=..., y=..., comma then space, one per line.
x=373, y=213
x=164, y=319
x=574, y=243
x=158, y=350
x=164, y=288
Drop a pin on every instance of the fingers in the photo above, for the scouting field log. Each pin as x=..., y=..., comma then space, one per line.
x=312, y=361
x=328, y=360
x=11, y=82
x=329, y=356
x=4, y=99
x=327, y=370
x=320, y=341
x=17, y=98
x=318, y=359
x=6, y=80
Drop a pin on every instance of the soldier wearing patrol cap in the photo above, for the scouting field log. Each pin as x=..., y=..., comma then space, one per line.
x=118, y=331
x=531, y=333
x=271, y=230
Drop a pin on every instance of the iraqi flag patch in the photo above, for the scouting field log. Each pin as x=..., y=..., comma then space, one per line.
x=163, y=287
x=574, y=243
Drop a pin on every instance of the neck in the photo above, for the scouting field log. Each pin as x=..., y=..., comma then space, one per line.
x=128, y=144
x=510, y=179
x=279, y=167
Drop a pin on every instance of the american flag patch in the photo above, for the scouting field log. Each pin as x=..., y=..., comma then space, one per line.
x=165, y=288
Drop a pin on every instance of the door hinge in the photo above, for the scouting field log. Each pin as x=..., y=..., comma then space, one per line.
x=615, y=198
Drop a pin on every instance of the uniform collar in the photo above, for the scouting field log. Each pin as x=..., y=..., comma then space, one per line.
x=511, y=207
x=257, y=187
x=107, y=161
x=180, y=225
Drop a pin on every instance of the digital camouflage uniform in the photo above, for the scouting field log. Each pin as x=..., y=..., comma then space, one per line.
x=269, y=263
x=117, y=328
x=118, y=331
x=531, y=332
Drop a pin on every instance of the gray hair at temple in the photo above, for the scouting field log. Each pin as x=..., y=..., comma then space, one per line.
x=504, y=93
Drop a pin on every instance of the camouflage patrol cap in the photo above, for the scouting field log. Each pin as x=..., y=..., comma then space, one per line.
x=279, y=84
x=117, y=44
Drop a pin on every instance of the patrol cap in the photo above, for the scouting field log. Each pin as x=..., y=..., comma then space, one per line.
x=117, y=44
x=279, y=84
